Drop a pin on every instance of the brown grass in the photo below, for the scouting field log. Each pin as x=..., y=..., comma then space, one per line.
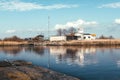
x=8, y=43
x=97, y=42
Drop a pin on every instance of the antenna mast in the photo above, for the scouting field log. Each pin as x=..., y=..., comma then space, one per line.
x=48, y=39
x=48, y=25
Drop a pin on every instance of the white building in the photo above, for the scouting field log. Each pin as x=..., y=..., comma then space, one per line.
x=84, y=36
x=80, y=35
x=89, y=36
x=58, y=38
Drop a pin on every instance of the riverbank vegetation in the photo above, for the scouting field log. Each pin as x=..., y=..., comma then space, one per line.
x=39, y=40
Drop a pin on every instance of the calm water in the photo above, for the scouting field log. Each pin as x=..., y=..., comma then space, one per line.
x=88, y=63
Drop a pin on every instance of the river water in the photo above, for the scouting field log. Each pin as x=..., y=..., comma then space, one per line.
x=86, y=63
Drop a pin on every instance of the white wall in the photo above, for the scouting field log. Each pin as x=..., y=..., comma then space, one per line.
x=89, y=37
x=79, y=35
x=58, y=38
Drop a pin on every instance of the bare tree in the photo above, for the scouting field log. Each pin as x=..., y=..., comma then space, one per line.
x=111, y=37
x=64, y=32
x=59, y=32
x=71, y=30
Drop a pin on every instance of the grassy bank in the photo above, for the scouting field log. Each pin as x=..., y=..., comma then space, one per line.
x=97, y=42
x=13, y=43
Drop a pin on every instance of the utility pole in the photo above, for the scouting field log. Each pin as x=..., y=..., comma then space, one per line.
x=48, y=39
x=48, y=26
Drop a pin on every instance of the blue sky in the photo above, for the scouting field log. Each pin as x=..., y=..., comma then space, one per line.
x=28, y=18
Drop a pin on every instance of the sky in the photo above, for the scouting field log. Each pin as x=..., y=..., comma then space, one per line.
x=28, y=18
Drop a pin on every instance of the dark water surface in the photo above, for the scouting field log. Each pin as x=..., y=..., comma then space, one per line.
x=86, y=63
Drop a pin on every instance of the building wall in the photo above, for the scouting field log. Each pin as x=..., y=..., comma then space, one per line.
x=89, y=37
x=72, y=37
x=58, y=38
x=81, y=36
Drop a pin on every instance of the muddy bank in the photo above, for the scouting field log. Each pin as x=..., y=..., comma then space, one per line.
x=21, y=70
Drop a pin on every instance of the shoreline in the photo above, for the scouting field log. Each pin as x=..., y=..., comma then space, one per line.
x=97, y=42
x=21, y=70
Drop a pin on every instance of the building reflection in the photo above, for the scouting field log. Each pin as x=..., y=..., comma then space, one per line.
x=74, y=55
x=86, y=56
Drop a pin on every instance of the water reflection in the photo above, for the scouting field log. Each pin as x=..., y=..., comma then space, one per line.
x=86, y=63
x=37, y=50
x=74, y=55
x=10, y=50
x=70, y=55
x=14, y=50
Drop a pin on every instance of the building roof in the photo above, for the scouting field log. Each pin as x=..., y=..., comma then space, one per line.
x=86, y=34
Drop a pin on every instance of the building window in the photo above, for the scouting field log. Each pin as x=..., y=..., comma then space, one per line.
x=84, y=37
x=79, y=36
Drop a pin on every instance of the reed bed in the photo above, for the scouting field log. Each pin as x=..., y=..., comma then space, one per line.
x=12, y=43
x=97, y=42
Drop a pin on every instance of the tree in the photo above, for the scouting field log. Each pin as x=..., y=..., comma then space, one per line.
x=71, y=30
x=13, y=38
x=59, y=32
x=38, y=38
x=64, y=32
x=105, y=37
x=111, y=37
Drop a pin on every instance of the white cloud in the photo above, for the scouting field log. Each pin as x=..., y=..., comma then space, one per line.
x=76, y=24
x=117, y=21
x=26, y=6
x=110, y=5
x=10, y=31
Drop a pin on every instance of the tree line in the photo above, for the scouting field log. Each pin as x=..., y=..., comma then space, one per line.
x=16, y=38
x=63, y=32
x=60, y=32
x=106, y=37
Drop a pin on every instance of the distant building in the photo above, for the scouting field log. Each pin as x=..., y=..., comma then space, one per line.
x=84, y=36
x=71, y=37
x=58, y=38
x=80, y=35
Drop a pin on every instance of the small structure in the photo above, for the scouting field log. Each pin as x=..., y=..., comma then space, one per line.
x=84, y=36
x=71, y=37
x=89, y=36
